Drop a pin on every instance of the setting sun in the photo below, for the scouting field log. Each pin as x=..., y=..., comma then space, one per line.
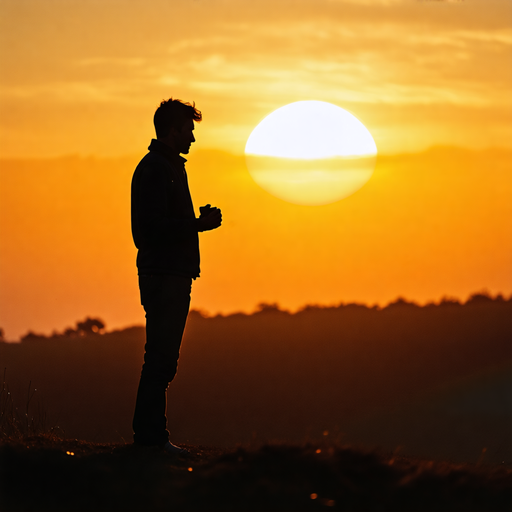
x=310, y=153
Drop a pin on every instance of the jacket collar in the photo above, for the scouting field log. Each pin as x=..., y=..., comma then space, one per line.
x=167, y=151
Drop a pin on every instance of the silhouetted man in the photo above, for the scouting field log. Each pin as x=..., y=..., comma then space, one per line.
x=165, y=231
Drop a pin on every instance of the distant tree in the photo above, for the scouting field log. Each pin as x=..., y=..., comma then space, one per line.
x=265, y=307
x=2, y=336
x=69, y=332
x=313, y=307
x=198, y=313
x=449, y=301
x=400, y=301
x=90, y=326
x=32, y=336
x=481, y=297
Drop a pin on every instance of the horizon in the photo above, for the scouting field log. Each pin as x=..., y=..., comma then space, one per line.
x=201, y=150
x=264, y=307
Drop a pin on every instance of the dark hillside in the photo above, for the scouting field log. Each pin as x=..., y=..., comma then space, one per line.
x=359, y=373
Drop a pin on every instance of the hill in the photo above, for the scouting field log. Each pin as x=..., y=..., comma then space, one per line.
x=430, y=380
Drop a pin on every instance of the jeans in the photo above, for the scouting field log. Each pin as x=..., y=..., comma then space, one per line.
x=166, y=301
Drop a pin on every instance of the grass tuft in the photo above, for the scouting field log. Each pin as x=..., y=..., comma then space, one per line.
x=16, y=424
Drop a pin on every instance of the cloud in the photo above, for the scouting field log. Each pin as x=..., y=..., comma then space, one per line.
x=362, y=62
x=254, y=56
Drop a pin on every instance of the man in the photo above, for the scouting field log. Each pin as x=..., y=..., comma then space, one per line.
x=165, y=231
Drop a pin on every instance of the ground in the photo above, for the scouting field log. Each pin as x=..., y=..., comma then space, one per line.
x=48, y=473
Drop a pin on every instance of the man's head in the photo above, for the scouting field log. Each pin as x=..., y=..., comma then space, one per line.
x=174, y=124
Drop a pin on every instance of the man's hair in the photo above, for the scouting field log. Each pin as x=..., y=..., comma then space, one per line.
x=173, y=114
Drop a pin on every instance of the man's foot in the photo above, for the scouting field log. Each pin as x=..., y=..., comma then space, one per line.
x=175, y=450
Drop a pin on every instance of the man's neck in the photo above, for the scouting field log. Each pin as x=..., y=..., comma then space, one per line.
x=167, y=150
x=169, y=144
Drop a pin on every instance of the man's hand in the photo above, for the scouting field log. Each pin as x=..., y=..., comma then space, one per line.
x=210, y=218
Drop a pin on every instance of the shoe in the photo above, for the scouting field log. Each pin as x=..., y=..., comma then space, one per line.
x=175, y=450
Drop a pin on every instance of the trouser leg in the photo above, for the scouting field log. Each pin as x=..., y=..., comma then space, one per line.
x=166, y=301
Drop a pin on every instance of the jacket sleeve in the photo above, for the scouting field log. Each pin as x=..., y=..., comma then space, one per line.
x=155, y=223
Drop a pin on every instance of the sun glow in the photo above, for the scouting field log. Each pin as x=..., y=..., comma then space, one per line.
x=310, y=130
x=311, y=153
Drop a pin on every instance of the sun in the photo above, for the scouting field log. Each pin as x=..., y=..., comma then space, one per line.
x=310, y=153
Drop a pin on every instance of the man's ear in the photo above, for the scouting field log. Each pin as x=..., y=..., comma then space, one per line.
x=171, y=136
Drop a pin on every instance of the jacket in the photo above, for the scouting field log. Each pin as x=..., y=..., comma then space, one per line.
x=164, y=225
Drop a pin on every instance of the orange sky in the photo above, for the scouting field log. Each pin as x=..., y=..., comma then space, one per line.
x=84, y=77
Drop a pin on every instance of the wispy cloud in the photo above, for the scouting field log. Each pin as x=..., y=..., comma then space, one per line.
x=256, y=55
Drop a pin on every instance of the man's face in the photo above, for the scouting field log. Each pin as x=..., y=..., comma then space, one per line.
x=181, y=140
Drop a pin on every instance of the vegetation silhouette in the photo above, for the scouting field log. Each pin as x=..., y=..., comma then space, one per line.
x=87, y=327
x=434, y=379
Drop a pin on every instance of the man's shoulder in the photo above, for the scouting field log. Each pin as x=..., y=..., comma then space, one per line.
x=154, y=158
x=152, y=162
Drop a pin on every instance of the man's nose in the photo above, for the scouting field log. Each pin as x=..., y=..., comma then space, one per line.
x=193, y=139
